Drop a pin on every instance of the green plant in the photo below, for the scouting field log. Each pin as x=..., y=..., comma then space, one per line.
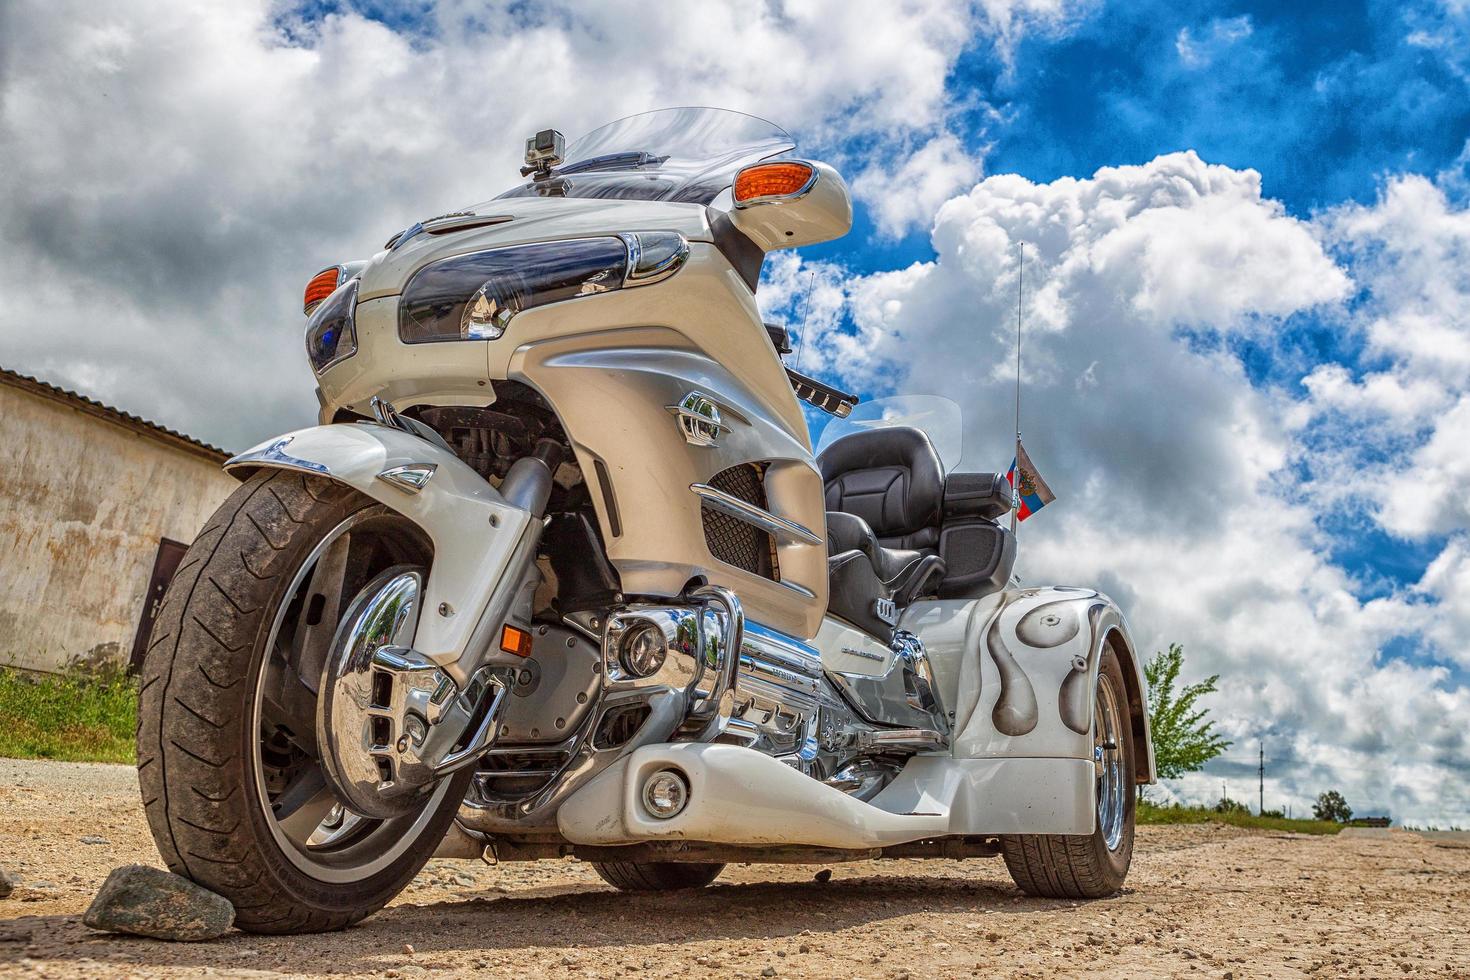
x=1331, y=806
x=1183, y=740
x=1227, y=805
x=84, y=715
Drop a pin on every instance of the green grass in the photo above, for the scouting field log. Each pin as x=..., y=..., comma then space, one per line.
x=1155, y=814
x=82, y=716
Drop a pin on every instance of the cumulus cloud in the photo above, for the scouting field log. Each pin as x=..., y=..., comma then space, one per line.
x=1172, y=467
x=1447, y=582
x=906, y=194
x=171, y=173
x=1409, y=414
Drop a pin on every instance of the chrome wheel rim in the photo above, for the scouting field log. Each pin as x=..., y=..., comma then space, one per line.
x=1107, y=754
x=322, y=838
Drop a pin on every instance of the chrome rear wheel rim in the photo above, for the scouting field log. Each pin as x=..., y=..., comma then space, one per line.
x=1107, y=753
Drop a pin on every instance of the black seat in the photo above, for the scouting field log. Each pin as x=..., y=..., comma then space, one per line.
x=898, y=530
x=885, y=492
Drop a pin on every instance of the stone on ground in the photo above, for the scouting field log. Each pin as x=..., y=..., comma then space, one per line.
x=144, y=901
x=7, y=883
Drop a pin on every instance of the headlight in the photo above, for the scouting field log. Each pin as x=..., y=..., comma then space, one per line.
x=643, y=650
x=474, y=296
x=331, y=333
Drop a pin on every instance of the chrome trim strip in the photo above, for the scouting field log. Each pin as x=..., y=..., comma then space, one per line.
x=411, y=477
x=753, y=515
x=274, y=454
x=757, y=634
x=441, y=226
x=800, y=590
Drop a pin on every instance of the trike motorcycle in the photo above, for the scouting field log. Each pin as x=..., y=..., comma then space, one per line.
x=560, y=574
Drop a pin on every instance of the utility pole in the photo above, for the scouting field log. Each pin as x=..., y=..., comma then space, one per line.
x=1261, y=772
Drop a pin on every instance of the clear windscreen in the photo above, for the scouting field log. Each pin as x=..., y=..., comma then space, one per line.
x=938, y=417
x=686, y=155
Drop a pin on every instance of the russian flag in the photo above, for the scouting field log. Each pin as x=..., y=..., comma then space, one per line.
x=1029, y=492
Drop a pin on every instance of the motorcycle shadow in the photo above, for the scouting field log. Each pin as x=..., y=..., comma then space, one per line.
x=556, y=920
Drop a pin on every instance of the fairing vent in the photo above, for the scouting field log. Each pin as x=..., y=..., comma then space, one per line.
x=730, y=539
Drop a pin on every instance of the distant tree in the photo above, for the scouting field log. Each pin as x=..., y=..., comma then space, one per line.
x=1331, y=806
x=1183, y=740
x=1227, y=805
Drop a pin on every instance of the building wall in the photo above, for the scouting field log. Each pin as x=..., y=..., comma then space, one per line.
x=83, y=504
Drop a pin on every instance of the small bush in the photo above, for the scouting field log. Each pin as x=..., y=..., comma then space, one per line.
x=1227, y=805
x=83, y=715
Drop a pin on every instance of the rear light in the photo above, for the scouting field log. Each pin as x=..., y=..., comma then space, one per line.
x=322, y=285
x=773, y=182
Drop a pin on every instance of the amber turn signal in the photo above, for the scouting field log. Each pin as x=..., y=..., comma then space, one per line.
x=765, y=181
x=322, y=285
x=515, y=640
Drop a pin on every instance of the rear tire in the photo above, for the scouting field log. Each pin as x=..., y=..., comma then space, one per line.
x=1086, y=866
x=656, y=876
x=201, y=757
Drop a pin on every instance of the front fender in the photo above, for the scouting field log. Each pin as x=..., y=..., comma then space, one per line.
x=474, y=530
x=1024, y=674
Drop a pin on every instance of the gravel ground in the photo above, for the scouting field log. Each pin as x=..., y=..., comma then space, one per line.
x=1201, y=902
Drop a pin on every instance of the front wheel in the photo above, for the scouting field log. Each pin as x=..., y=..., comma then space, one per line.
x=227, y=758
x=1091, y=865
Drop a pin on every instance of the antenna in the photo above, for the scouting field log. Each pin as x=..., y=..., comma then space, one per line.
x=805, y=311
x=1020, y=279
x=1261, y=772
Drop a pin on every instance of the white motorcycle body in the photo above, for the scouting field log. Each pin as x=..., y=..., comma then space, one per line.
x=803, y=724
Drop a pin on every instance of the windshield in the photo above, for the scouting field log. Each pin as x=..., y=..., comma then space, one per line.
x=686, y=155
x=939, y=418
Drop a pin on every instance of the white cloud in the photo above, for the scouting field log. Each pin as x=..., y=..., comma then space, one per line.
x=1172, y=468
x=906, y=193
x=1410, y=251
x=1199, y=52
x=1447, y=582
x=172, y=173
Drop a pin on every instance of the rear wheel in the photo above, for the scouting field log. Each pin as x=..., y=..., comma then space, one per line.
x=656, y=876
x=227, y=755
x=1092, y=865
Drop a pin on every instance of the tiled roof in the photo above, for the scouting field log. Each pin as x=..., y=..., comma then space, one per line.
x=93, y=407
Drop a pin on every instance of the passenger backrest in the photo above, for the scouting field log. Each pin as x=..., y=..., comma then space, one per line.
x=892, y=479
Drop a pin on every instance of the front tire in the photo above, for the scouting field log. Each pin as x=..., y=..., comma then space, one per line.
x=1091, y=865
x=656, y=876
x=226, y=711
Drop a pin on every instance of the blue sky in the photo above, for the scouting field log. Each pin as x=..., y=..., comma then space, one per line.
x=1324, y=99
x=1248, y=258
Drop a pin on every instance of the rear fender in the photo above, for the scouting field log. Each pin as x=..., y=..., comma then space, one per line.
x=474, y=530
x=1022, y=670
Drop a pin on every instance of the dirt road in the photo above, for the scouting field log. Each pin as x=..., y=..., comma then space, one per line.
x=1201, y=902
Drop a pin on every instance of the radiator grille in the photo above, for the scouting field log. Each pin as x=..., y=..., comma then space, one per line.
x=730, y=539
